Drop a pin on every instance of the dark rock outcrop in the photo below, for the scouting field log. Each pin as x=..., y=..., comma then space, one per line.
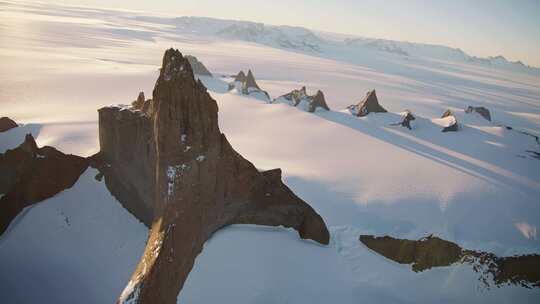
x=240, y=77
x=422, y=254
x=197, y=66
x=7, y=123
x=174, y=158
x=451, y=122
x=370, y=104
x=29, y=174
x=406, y=119
x=246, y=84
x=484, y=112
x=301, y=98
x=139, y=103
x=431, y=251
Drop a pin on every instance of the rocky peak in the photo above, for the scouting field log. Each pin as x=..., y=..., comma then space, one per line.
x=241, y=77
x=318, y=102
x=247, y=85
x=300, y=98
x=176, y=164
x=139, y=102
x=29, y=145
x=197, y=66
x=184, y=114
x=250, y=82
x=7, y=123
x=367, y=105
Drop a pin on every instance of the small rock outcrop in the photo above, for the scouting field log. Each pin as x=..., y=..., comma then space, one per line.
x=300, y=98
x=450, y=122
x=197, y=66
x=484, y=112
x=29, y=174
x=423, y=254
x=174, y=160
x=7, y=123
x=370, y=104
x=247, y=85
x=431, y=251
x=139, y=103
x=406, y=119
x=447, y=113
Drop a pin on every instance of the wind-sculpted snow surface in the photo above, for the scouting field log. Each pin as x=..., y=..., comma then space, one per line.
x=195, y=182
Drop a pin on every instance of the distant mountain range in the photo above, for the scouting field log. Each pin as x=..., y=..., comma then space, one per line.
x=303, y=39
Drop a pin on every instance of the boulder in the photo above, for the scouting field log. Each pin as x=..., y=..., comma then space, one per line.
x=303, y=100
x=29, y=174
x=197, y=66
x=370, y=104
x=174, y=159
x=484, y=112
x=7, y=123
x=406, y=119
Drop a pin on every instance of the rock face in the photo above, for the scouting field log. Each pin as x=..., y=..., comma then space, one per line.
x=370, y=104
x=29, y=174
x=247, y=85
x=431, y=251
x=6, y=124
x=484, y=112
x=300, y=98
x=197, y=66
x=175, y=160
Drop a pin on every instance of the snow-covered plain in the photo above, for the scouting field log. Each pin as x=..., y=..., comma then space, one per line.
x=478, y=187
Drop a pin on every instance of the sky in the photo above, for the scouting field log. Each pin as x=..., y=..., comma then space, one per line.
x=479, y=27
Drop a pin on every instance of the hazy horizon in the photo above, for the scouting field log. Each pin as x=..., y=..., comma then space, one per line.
x=481, y=28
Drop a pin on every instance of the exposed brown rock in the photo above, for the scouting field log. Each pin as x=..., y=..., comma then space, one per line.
x=197, y=66
x=318, y=101
x=29, y=174
x=250, y=83
x=422, y=254
x=484, y=112
x=241, y=77
x=300, y=97
x=139, y=103
x=7, y=123
x=431, y=251
x=246, y=84
x=370, y=104
x=198, y=183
